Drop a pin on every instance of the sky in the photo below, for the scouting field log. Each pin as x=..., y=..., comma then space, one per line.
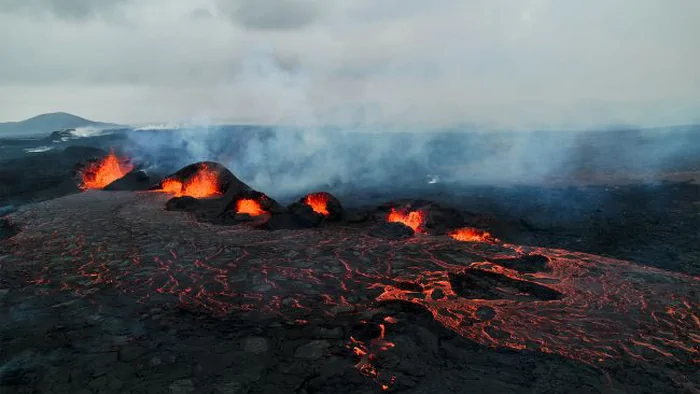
x=491, y=63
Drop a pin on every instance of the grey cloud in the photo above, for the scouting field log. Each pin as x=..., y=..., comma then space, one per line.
x=512, y=62
x=201, y=13
x=272, y=14
x=66, y=9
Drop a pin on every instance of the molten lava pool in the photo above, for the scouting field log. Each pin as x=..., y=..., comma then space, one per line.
x=102, y=173
x=249, y=206
x=204, y=183
x=412, y=219
x=469, y=234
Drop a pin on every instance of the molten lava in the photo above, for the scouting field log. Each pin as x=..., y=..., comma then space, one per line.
x=249, y=206
x=368, y=354
x=318, y=202
x=205, y=183
x=468, y=234
x=100, y=174
x=413, y=219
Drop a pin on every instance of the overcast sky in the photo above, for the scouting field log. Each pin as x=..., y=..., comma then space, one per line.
x=521, y=63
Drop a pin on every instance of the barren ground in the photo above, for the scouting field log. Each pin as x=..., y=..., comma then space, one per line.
x=107, y=292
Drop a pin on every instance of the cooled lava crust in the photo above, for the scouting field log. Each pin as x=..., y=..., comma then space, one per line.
x=606, y=314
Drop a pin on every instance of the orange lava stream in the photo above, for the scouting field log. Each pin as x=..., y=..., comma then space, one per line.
x=585, y=325
x=249, y=206
x=205, y=183
x=108, y=170
x=413, y=219
x=468, y=234
x=318, y=202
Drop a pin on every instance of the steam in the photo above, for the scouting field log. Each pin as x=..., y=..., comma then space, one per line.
x=300, y=152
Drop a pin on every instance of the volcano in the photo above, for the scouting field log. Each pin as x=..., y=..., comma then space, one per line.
x=201, y=180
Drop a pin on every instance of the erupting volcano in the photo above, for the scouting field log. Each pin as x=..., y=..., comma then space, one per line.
x=249, y=206
x=100, y=174
x=318, y=202
x=412, y=219
x=204, y=183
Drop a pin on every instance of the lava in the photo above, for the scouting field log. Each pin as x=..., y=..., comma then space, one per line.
x=468, y=234
x=580, y=306
x=318, y=202
x=412, y=219
x=249, y=206
x=368, y=354
x=204, y=183
x=100, y=174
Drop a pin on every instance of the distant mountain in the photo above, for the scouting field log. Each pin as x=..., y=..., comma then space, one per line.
x=48, y=123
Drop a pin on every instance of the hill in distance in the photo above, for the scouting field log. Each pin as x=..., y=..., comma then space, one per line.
x=47, y=123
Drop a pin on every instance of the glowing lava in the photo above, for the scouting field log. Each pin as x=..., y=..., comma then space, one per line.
x=368, y=354
x=249, y=206
x=468, y=234
x=205, y=183
x=100, y=174
x=318, y=202
x=413, y=219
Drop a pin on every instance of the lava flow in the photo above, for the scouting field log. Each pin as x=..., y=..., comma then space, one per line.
x=318, y=202
x=468, y=234
x=102, y=173
x=204, y=183
x=249, y=206
x=413, y=219
x=575, y=305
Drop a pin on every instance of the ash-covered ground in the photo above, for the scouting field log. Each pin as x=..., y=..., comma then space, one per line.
x=592, y=285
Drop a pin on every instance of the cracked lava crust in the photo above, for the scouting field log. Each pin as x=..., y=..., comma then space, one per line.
x=593, y=311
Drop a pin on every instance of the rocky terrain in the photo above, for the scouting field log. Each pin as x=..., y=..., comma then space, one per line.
x=583, y=283
x=108, y=292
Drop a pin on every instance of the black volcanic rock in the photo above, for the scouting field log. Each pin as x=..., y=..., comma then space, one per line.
x=7, y=229
x=391, y=230
x=84, y=152
x=184, y=203
x=357, y=216
x=134, y=180
x=305, y=216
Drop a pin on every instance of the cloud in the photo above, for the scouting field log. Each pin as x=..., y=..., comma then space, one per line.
x=67, y=9
x=505, y=63
x=272, y=14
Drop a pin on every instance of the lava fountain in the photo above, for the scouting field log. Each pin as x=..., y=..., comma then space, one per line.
x=412, y=219
x=468, y=234
x=205, y=183
x=249, y=206
x=100, y=174
x=318, y=202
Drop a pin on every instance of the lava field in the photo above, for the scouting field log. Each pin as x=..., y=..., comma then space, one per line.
x=196, y=282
